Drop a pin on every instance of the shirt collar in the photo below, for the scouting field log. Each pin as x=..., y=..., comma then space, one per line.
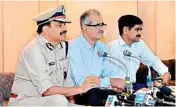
x=85, y=43
x=121, y=41
x=43, y=41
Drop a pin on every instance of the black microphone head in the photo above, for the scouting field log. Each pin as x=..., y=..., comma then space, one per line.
x=166, y=90
x=117, y=104
x=127, y=53
x=159, y=95
x=102, y=54
x=163, y=91
x=131, y=97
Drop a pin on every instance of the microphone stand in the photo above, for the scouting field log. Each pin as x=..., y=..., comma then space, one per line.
x=128, y=83
x=149, y=77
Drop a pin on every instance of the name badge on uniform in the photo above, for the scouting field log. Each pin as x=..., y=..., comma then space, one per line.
x=51, y=63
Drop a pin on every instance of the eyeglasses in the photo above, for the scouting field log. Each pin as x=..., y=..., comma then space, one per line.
x=98, y=26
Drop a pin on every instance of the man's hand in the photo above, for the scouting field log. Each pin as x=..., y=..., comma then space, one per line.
x=90, y=82
x=71, y=99
x=166, y=78
x=118, y=84
x=93, y=79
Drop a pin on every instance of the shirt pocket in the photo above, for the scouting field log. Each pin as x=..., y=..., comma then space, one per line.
x=51, y=61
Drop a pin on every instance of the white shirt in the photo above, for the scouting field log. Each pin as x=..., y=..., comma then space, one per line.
x=139, y=49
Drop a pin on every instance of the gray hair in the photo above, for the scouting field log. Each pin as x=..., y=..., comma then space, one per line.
x=84, y=19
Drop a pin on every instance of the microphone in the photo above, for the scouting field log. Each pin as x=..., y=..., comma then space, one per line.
x=112, y=101
x=143, y=99
x=127, y=53
x=127, y=78
x=149, y=100
x=164, y=91
x=149, y=79
x=102, y=54
x=161, y=91
x=163, y=96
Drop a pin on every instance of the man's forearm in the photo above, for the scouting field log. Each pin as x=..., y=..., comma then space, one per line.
x=66, y=91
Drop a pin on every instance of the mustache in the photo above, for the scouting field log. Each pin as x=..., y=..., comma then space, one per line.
x=63, y=32
x=138, y=35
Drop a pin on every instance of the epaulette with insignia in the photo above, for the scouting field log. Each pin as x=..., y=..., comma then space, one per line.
x=49, y=46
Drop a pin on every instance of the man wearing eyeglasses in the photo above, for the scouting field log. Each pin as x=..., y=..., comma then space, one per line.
x=85, y=63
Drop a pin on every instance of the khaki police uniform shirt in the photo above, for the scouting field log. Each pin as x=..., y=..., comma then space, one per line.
x=40, y=67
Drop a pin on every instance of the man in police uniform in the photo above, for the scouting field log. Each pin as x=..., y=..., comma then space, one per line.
x=42, y=76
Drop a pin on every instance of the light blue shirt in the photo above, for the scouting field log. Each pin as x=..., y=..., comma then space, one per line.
x=139, y=49
x=85, y=62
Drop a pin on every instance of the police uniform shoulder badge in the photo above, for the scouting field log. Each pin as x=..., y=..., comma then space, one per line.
x=49, y=46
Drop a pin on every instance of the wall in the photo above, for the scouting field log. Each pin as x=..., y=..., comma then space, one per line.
x=1, y=38
x=17, y=27
x=159, y=27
